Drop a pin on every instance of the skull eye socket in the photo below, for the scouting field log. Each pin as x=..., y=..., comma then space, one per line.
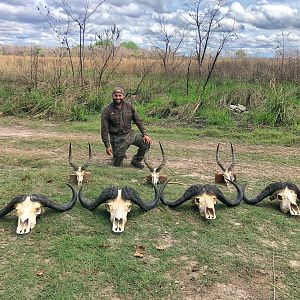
x=38, y=210
x=108, y=206
x=279, y=197
x=197, y=200
x=129, y=207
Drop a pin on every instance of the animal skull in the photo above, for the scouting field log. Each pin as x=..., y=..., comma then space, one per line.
x=155, y=171
x=27, y=212
x=28, y=207
x=227, y=172
x=80, y=170
x=288, y=201
x=118, y=203
x=118, y=209
x=205, y=197
x=206, y=204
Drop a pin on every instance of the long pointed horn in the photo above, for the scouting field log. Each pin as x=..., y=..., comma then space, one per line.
x=267, y=191
x=45, y=201
x=188, y=194
x=147, y=163
x=221, y=196
x=130, y=194
x=11, y=205
x=164, y=159
x=233, y=159
x=218, y=159
x=89, y=160
x=70, y=158
x=106, y=194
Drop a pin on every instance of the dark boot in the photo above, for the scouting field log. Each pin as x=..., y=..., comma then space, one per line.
x=117, y=161
x=137, y=164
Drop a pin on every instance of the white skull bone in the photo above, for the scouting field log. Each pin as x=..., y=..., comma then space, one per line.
x=27, y=212
x=287, y=199
x=206, y=204
x=118, y=209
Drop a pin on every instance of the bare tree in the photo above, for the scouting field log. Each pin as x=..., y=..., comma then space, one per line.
x=81, y=21
x=170, y=39
x=209, y=36
x=106, y=47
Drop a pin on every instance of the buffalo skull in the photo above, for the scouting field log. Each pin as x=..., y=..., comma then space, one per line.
x=118, y=203
x=28, y=207
x=285, y=193
x=80, y=170
x=155, y=171
x=205, y=197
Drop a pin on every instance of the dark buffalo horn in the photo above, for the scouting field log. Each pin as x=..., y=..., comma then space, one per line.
x=56, y=206
x=70, y=158
x=164, y=159
x=11, y=205
x=106, y=194
x=188, y=194
x=83, y=168
x=147, y=163
x=215, y=190
x=218, y=158
x=233, y=159
x=130, y=194
x=269, y=190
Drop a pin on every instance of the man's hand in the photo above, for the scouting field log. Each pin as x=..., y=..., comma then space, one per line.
x=109, y=151
x=147, y=139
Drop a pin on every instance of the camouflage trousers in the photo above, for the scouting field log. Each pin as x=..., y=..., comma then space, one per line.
x=121, y=143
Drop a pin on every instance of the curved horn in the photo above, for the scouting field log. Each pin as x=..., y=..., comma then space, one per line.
x=11, y=205
x=130, y=194
x=267, y=191
x=218, y=159
x=106, y=194
x=83, y=168
x=233, y=159
x=70, y=158
x=188, y=194
x=215, y=190
x=147, y=163
x=45, y=201
x=164, y=159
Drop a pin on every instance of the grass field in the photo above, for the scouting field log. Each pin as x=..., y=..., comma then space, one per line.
x=248, y=252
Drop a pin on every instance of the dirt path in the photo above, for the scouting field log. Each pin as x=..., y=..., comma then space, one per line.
x=195, y=159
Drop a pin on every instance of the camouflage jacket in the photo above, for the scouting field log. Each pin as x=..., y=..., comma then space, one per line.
x=117, y=122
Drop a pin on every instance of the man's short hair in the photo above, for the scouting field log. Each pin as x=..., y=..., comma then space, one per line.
x=118, y=90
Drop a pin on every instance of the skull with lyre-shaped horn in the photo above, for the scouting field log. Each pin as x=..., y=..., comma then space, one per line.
x=154, y=171
x=80, y=170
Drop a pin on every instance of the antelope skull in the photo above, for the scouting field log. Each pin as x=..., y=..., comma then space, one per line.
x=205, y=197
x=227, y=172
x=118, y=204
x=28, y=207
x=155, y=171
x=285, y=193
x=80, y=170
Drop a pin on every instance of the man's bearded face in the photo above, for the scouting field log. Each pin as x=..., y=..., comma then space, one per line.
x=118, y=98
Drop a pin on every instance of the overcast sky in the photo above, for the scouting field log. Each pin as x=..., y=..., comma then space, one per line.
x=258, y=24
